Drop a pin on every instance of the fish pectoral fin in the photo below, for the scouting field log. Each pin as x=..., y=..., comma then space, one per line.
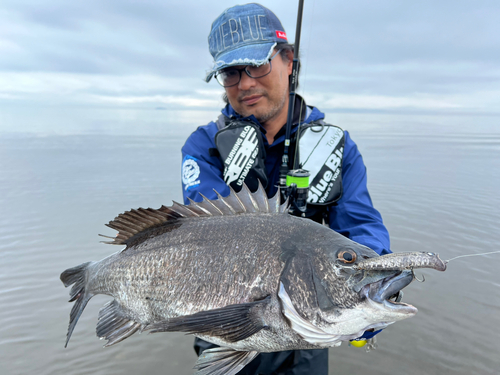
x=232, y=323
x=113, y=325
x=222, y=361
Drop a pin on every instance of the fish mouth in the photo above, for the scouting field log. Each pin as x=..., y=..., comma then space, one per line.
x=388, y=292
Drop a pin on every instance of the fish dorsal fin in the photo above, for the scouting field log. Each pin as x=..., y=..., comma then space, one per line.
x=140, y=223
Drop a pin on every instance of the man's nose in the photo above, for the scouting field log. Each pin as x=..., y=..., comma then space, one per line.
x=246, y=81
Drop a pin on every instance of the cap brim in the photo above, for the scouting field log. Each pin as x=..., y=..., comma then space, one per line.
x=253, y=54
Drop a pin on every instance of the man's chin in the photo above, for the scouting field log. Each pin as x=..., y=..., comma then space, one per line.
x=261, y=110
x=254, y=110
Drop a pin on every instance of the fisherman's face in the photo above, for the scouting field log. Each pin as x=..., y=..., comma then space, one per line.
x=264, y=97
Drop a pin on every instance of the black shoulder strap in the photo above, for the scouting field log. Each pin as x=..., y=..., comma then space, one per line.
x=222, y=121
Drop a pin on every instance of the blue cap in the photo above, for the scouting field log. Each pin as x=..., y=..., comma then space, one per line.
x=244, y=35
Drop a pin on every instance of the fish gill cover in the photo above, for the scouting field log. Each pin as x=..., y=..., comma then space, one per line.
x=241, y=273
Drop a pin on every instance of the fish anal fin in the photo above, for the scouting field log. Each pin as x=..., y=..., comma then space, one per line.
x=232, y=323
x=113, y=325
x=223, y=361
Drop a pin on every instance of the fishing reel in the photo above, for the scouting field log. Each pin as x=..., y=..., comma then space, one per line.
x=297, y=191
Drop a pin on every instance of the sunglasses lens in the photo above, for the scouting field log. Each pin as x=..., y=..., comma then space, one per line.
x=228, y=77
x=259, y=71
x=232, y=76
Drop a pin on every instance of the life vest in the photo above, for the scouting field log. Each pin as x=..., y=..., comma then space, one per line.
x=240, y=146
x=320, y=151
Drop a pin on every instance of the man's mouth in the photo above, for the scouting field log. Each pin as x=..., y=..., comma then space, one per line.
x=250, y=100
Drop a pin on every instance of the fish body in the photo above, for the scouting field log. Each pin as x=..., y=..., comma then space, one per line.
x=241, y=273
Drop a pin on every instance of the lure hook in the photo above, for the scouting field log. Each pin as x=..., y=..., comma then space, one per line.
x=416, y=278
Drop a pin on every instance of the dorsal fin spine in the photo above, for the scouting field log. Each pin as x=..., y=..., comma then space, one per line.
x=147, y=214
x=193, y=210
x=261, y=198
x=194, y=204
x=144, y=219
x=284, y=206
x=169, y=212
x=263, y=192
x=129, y=223
x=133, y=223
x=237, y=198
x=221, y=198
x=160, y=216
x=111, y=238
x=208, y=202
x=180, y=209
x=120, y=228
x=249, y=194
x=274, y=202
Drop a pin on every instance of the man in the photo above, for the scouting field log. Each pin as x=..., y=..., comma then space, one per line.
x=253, y=62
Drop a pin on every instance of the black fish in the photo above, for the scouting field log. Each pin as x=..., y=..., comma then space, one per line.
x=242, y=273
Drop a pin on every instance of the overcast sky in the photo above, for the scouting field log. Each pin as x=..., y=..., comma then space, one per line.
x=358, y=55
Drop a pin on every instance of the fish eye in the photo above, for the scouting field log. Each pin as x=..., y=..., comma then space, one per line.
x=346, y=256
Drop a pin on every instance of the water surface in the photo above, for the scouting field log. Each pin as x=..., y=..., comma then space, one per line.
x=435, y=184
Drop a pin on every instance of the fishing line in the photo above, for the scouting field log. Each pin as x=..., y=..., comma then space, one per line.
x=449, y=260
x=471, y=255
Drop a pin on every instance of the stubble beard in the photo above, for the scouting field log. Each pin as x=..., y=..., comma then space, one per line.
x=274, y=109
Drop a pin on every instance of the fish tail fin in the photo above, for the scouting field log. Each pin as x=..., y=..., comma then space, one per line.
x=77, y=276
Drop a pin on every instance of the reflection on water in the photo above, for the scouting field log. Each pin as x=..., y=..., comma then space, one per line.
x=437, y=191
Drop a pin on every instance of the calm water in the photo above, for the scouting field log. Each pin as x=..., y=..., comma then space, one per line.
x=437, y=187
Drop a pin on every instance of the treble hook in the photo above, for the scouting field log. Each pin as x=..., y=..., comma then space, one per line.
x=416, y=278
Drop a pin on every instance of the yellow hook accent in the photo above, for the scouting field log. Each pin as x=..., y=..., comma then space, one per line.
x=358, y=343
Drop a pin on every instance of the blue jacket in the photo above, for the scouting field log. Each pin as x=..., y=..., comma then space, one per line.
x=353, y=216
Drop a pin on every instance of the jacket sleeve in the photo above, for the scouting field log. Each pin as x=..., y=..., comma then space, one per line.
x=201, y=172
x=354, y=215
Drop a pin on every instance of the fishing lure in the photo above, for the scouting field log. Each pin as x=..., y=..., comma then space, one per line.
x=403, y=261
x=406, y=261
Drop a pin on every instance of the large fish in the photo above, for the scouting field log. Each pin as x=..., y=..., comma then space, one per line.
x=242, y=273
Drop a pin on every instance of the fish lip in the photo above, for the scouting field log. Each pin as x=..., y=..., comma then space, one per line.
x=381, y=291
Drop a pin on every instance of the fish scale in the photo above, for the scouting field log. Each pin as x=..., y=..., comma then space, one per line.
x=241, y=273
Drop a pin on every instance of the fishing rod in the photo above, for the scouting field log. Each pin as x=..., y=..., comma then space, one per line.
x=294, y=182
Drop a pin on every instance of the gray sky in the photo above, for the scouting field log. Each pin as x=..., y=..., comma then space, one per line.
x=361, y=55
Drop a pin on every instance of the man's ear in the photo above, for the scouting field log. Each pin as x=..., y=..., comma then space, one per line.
x=289, y=54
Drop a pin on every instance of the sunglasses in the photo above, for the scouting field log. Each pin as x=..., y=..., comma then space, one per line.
x=232, y=76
